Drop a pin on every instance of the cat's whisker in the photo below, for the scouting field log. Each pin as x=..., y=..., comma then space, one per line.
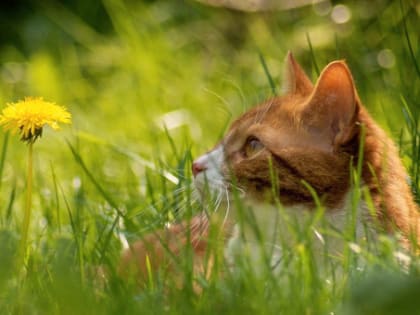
x=233, y=186
x=218, y=199
x=179, y=190
x=227, y=205
x=186, y=207
x=195, y=229
x=241, y=190
x=219, y=97
x=260, y=116
x=169, y=205
x=175, y=172
x=196, y=243
x=186, y=203
x=216, y=204
x=270, y=105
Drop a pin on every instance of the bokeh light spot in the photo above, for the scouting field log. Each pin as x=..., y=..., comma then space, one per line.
x=386, y=58
x=341, y=14
x=322, y=8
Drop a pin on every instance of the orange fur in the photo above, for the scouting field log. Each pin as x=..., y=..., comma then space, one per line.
x=161, y=250
x=311, y=133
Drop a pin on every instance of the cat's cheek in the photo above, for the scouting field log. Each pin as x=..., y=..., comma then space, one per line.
x=257, y=192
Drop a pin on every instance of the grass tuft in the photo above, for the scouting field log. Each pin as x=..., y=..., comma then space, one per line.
x=153, y=84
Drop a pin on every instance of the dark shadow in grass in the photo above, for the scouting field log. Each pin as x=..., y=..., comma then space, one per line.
x=385, y=293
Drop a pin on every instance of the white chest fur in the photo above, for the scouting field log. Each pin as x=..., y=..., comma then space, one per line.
x=263, y=232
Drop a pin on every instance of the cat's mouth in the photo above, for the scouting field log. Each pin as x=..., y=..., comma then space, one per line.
x=210, y=181
x=215, y=189
x=208, y=167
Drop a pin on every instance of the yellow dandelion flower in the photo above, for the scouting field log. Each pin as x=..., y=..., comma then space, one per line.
x=28, y=116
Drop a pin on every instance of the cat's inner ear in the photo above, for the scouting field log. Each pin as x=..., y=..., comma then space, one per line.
x=332, y=107
x=295, y=80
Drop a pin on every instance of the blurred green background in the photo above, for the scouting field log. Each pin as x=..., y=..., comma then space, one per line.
x=150, y=84
x=122, y=67
x=132, y=72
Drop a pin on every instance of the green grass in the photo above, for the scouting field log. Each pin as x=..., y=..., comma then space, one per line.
x=154, y=90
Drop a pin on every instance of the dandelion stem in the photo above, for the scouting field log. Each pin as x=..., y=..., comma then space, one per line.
x=28, y=207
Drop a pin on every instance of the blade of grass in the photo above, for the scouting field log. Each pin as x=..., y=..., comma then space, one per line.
x=135, y=157
x=407, y=38
x=99, y=188
x=267, y=73
x=11, y=203
x=337, y=49
x=3, y=155
x=311, y=50
x=105, y=245
x=171, y=142
x=57, y=200
x=77, y=238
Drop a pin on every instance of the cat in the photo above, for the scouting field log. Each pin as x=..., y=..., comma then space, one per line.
x=292, y=148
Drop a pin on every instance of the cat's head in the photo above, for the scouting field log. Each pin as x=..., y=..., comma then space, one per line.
x=306, y=136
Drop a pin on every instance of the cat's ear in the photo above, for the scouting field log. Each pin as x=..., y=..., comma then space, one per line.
x=295, y=81
x=332, y=107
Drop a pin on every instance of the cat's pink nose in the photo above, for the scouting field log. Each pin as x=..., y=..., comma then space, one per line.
x=198, y=167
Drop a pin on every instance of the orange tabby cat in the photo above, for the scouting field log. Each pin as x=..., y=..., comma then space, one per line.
x=309, y=135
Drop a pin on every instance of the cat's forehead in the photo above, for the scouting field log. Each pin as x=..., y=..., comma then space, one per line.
x=257, y=114
x=277, y=112
x=276, y=123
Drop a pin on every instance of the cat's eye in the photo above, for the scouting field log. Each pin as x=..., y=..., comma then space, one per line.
x=252, y=146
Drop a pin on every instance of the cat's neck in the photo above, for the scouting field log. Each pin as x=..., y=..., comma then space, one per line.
x=387, y=180
x=263, y=229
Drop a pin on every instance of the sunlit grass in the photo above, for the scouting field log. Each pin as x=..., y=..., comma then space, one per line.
x=156, y=90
